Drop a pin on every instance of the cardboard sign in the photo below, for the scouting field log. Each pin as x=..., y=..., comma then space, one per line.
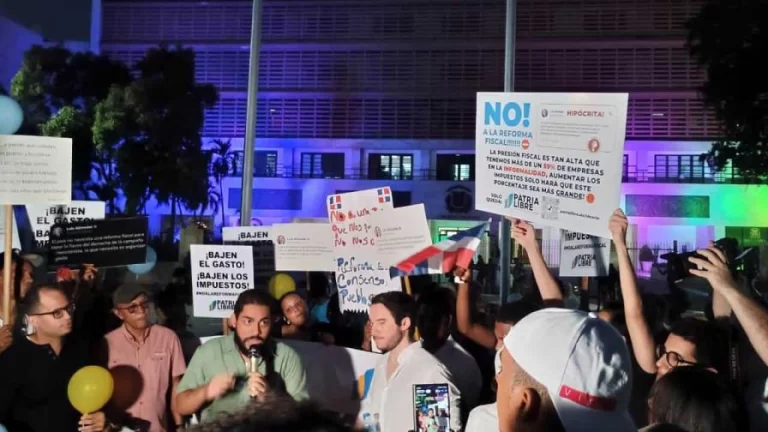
x=103, y=243
x=219, y=275
x=554, y=159
x=303, y=247
x=584, y=255
x=260, y=239
x=42, y=217
x=35, y=170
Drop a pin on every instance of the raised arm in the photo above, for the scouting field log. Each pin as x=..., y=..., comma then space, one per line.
x=525, y=234
x=752, y=317
x=478, y=333
x=639, y=332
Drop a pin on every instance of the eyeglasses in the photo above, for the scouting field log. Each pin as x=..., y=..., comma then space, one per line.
x=134, y=308
x=59, y=313
x=673, y=359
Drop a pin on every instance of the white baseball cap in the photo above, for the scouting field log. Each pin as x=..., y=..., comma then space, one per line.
x=582, y=361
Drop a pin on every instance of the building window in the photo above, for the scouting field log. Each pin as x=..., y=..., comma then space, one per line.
x=456, y=167
x=390, y=166
x=679, y=167
x=625, y=169
x=322, y=165
x=264, y=163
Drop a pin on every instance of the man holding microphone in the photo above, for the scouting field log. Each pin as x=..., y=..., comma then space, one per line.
x=227, y=372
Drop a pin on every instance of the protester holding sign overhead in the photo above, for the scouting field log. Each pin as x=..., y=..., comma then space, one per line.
x=227, y=372
x=35, y=370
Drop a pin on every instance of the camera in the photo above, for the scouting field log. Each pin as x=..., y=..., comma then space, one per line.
x=679, y=266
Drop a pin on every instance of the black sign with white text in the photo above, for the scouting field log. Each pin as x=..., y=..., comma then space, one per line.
x=103, y=243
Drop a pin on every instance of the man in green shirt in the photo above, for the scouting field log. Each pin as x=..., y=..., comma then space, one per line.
x=219, y=377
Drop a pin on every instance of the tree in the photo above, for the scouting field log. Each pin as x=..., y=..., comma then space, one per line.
x=222, y=165
x=729, y=40
x=58, y=91
x=154, y=124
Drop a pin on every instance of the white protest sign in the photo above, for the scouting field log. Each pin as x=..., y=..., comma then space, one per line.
x=35, y=170
x=219, y=275
x=260, y=239
x=583, y=255
x=42, y=216
x=553, y=159
x=16, y=242
x=303, y=247
x=359, y=273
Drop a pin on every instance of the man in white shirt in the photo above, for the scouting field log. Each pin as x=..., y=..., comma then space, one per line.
x=434, y=315
x=403, y=365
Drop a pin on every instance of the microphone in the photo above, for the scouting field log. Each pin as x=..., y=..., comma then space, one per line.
x=254, y=353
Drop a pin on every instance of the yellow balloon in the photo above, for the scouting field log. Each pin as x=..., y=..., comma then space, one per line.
x=281, y=284
x=90, y=389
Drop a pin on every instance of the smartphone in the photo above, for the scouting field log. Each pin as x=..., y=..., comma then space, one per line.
x=431, y=403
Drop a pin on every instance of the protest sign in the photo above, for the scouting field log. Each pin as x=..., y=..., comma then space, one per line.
x=219, y=274
x=16, y=243
x=353, y=242
x=338, y=378
x=583, y=255
x=303, y=247
x=102, y=243
x=35, y=170
x=42, y=217
x=551, y=158
x=367, y=242
x=260, y=239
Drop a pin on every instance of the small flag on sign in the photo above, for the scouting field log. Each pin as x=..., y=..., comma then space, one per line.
x=385, y=195
x=456, y=250
x=334, y=202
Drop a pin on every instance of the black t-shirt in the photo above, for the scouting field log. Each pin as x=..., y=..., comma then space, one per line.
x=33, y=386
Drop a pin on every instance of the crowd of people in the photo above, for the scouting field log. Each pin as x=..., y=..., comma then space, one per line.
x=537, y=366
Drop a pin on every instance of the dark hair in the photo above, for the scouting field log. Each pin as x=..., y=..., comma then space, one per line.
x=710, y=340
x=618, y=318
x=697, y=400
x=663, y=427
x=288, y=294
x=400, y=305
x=512, y=313
x=17, y=272
x=254, y=297
x=279, y=414
x=432, y=309
x=32, y=300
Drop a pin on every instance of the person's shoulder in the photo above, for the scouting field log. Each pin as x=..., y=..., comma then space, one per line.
x=164, y=332
x=284, y=351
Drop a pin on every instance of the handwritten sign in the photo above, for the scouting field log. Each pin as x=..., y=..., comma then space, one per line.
x=42, y=217
x=35, y=170
x=219, y=275
x=360, y=274
x=303, y=247
x=583, y=255
x=16, y=242
x=551, y=158
x=260, y=239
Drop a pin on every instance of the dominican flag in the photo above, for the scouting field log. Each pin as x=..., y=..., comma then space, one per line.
x=384, y=194
x=441, y=258
x=334, y=202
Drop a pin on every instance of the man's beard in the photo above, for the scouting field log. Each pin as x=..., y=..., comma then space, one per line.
x=243, y=345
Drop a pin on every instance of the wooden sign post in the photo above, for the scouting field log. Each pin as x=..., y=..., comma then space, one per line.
x=7, y=264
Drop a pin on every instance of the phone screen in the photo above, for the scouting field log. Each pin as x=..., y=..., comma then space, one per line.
x=431, y=408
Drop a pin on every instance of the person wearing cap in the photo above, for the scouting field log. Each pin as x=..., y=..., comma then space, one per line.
x=147, y=363
x=564, y=370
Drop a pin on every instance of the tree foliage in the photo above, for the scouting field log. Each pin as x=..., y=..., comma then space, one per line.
x=729, y=39
x=135, y=137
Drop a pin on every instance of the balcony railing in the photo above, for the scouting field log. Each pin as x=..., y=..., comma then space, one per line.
x=630, y=175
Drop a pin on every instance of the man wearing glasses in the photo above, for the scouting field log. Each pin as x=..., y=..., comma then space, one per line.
x=35, y=370
x=147, y=363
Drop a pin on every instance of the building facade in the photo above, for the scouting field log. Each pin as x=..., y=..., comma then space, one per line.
x=356, y=95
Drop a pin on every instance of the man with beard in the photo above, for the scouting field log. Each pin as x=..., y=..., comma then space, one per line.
x=146, y=361
x=220, y=378
x=403, y=365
